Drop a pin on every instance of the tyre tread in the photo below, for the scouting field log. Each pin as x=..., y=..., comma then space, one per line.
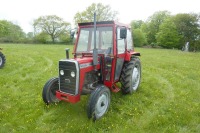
x=126, y=75
x=45, y=92
x=93, y=99
x=3, y=59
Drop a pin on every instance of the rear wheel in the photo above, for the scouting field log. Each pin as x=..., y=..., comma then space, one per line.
x=49, y=91
x=2, y=60
x=131, y=76
x=99, y=102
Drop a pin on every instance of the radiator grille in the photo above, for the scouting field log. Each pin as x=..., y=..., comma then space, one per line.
x=67, y=83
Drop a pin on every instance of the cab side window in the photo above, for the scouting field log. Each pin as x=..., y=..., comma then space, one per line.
x=120, y=43
x=129, y=40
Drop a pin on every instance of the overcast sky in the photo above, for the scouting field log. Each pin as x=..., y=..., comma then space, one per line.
x=23, y=12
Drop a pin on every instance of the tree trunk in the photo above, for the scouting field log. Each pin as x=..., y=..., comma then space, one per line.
x=53, y=39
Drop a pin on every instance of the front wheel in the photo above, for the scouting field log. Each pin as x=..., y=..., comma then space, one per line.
x=99, y=102
x=2, y=60
x=131, y=76
x=49, y=91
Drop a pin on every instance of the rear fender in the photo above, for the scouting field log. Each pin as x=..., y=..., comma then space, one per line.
x=128, y=55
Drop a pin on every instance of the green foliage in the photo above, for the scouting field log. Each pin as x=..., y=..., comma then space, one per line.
x=139, y=38
x=136, y=24
x=42, y=38
x=10, y=32
x=172, y=31
x=52, y=25
x=65, y=38
x=151, y=27
x=189, y=27
x=196, y=45
x=104, y=13
x=168, y=36
x=30, y=35
x=4, y=28
x=167, y=99
x=29, y=38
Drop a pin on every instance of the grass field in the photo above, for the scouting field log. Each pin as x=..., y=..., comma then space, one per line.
x=168, y=99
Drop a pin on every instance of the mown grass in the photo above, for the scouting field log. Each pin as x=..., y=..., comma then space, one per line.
x=168, y=99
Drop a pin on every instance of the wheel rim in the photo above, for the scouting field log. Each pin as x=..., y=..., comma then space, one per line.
x=102, y=105
x=135, y=78
x=1, y=60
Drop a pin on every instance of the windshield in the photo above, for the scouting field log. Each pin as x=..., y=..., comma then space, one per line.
x=104, y=39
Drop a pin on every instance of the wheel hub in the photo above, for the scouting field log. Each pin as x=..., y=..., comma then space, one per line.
x=135, y=78
x=1, y=61
x=102, y=105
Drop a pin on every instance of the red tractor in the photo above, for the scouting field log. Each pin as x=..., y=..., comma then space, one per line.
x=2, y=59
x=103, y=56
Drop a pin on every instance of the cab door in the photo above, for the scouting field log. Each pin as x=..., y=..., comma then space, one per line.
x=114, y=63
x=121, y=49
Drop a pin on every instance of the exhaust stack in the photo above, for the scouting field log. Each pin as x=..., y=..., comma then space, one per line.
x=67, y=53
x=95, y=52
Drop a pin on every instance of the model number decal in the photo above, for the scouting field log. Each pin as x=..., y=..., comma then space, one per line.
x=85, y=65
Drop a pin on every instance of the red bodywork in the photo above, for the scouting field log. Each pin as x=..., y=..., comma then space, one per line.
x=87, y=58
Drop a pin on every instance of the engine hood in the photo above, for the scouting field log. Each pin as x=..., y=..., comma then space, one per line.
x=84, y=60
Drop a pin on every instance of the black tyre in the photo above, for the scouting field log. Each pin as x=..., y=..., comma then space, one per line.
x=98, y=103
x=49, y=91
x=131, y=76
x=2, y=60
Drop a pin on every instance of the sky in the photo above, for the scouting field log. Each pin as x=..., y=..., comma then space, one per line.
x=23, y=12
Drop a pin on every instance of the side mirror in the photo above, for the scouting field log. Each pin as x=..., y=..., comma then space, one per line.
x=72, y=33
x=123, y=33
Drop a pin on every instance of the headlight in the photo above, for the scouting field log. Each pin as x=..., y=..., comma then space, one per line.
x=73, y=74
x=62, y=72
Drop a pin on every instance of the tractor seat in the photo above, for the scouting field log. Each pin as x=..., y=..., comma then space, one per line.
x=108, y=51
x=108, y=59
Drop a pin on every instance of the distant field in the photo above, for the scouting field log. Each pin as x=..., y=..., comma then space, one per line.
x=168, y=99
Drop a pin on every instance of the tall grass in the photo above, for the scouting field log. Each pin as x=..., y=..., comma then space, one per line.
x=168, y=99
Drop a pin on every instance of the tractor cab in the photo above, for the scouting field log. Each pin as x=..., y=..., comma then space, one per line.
x=114, y=47
x=103, y=56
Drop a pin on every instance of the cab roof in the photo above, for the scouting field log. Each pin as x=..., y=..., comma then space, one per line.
x=103, y=23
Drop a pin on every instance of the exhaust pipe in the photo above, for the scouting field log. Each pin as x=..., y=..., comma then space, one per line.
x=67, y=53
x=95, y=52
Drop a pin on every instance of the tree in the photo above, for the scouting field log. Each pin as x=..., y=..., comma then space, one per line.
x=103, y=12
x=139, y=38
x=52, y=25
x=4, y=28
x=187, y=26
x=10, y=32
x=151, y=27
x=30, y=35
x=65, y=38
x=42, y=38
x=136, y=24
x=168, y=36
